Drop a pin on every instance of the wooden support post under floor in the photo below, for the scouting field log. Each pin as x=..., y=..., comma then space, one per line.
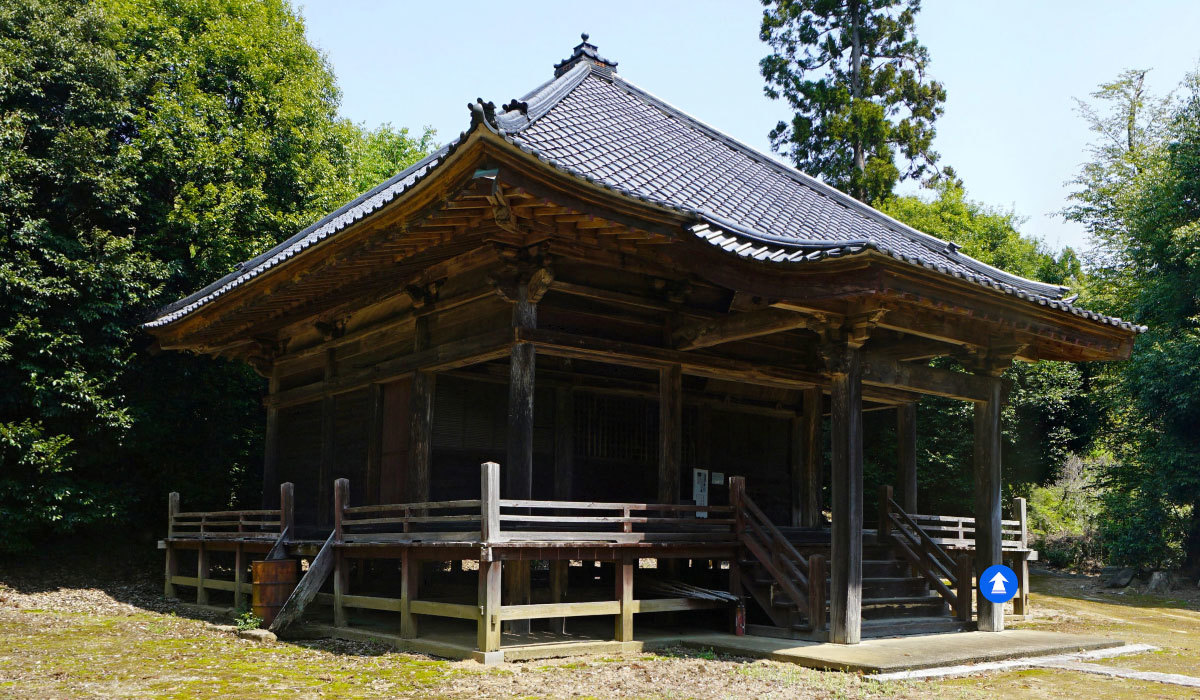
x=239, y=575
x=201, y=574
x=488, y=636
x=987, y=500
x=410, y=583
x=906, y=457
x=845, y=561
x=624, y=586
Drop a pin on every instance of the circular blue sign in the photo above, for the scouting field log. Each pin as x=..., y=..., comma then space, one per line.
x=998, y=584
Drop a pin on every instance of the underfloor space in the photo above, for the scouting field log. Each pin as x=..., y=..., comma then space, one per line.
x=456, y=639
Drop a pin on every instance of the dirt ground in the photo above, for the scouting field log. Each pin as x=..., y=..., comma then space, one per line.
x=75, y=631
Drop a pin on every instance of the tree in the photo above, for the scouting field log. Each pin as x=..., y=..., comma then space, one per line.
x=1140, y=198
x=146, y=147
x=1045, y=420
x=853, y=73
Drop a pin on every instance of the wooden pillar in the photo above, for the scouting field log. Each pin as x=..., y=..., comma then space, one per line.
x=328, y=447
x=811, y=477
x=670, y=432
x=271, y=447
x=906, y=458
x=987, y=500
x=420, y=446
x=341, y=492
x=522, y=362
x=172, y=563
x=564, y=442
x=375, y=413
x=624, y=581
x=796, y=469
x=845, y=602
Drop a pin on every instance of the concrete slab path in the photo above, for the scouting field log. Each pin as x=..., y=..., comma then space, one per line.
x=894, y=654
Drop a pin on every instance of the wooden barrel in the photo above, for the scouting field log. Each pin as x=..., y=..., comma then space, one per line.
x=273, y=582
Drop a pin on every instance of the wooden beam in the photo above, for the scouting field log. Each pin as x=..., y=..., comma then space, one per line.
x=878, y=371
x=462, y=353
x=906, y=457
x=987, y=502
x=670, y=432
x=845, y=561
x=741, y=327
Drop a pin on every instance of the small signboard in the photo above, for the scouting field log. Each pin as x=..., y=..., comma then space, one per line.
x=718, y=478
x=700, y=489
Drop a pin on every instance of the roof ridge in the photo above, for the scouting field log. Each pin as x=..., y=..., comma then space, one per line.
x=934, y=243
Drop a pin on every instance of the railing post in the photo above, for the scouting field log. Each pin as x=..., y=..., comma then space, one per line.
x=816, y=592
x=1019, y=512
x=172, y=563
x=737, y=487
x=965, y=573
x=884, y=532
x=287, y=509
x=341, y=491
x=489, y=502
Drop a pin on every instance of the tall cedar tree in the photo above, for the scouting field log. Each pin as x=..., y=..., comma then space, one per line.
x=854, y=75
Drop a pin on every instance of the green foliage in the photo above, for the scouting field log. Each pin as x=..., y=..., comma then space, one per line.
x=1045, y=419
x=1139, y=198
x=854, y=76
x=146, y=146
x=1064, y=515
x=247, y=620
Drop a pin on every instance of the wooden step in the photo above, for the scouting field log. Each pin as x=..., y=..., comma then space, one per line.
x=897, y=627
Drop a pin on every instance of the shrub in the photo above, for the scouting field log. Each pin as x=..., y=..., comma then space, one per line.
x=1063, y=516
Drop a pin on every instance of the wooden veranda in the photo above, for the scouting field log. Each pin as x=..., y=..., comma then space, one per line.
x=642, y=321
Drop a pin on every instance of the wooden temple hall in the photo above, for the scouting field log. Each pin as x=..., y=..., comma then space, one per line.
x=564, y=381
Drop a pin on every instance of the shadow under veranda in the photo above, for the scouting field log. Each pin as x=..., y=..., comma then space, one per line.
x=128, y=568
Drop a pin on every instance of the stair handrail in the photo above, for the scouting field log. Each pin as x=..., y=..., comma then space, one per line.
x=951, y=580
x=789, y=569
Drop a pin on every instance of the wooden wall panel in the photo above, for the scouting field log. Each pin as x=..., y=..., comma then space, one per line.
x=393, y=463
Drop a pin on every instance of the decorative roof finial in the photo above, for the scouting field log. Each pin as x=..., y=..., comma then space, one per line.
x=586, y=51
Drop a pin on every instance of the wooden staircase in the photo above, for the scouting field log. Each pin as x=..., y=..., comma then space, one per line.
x=907, y=580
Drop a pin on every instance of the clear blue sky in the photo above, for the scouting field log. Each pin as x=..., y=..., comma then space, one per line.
x=1010, y=69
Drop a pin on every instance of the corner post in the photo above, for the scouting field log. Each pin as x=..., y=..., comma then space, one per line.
x=965, y=586
x=1021, y=560
x=988, y=548
x=271, y=443
x=172, y=563
x=737, y=487
x=341, y=491
x=843, y=358
x=420, y=446
x=906, y=444
x=287, y=509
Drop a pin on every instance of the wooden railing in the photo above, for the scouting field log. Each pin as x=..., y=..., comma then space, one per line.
x=241, y=531
x=229, y=524
x=801, y=579
x=958, y=532
x=491, y=519
x=949, y=576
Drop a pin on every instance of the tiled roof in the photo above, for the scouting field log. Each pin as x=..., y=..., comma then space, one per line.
x=593, y=124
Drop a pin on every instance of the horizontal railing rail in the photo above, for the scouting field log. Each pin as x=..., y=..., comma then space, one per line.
x=948, y=576
x=245, y=524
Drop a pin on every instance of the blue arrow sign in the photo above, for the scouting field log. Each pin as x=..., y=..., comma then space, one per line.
x=998, y=584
